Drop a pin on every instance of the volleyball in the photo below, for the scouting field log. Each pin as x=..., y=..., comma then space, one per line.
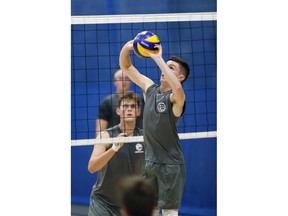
x=145, y=42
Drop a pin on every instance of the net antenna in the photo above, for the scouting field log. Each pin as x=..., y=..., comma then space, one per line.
x=191, y=36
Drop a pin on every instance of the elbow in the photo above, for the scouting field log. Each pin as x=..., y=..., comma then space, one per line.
x=124, y=66
x=121, y=61
x=90, y=169
x=178, y=90
x=124, y=63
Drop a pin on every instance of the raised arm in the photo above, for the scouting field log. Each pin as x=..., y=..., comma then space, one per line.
x=169, y=71
x=128, y=68
x=100, y=155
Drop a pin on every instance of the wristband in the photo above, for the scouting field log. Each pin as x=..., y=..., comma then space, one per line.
x=116, y=147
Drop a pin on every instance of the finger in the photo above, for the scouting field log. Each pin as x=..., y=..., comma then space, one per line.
x=157, y=46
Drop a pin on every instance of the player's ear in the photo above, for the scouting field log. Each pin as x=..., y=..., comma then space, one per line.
x=118, y=111
x=138, y=111
x=181, y=77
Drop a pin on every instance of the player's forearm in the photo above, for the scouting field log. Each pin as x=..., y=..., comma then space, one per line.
x=124, y=59
x=125, y=62
x=169, y=75
x=129, y=69
x=97, y=163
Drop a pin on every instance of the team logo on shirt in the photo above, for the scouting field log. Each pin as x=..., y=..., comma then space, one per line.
x=161, y=107
x=139, y=148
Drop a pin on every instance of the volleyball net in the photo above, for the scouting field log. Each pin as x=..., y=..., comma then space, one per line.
x=96, y=42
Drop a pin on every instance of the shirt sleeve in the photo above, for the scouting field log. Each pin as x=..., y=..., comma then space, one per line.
x=105, y=110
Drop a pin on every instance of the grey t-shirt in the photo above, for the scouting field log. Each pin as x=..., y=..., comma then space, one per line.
x=162, y=144
x=127, y=161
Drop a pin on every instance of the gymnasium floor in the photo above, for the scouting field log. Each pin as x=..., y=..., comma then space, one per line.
x=82, y=210
x=79, y=210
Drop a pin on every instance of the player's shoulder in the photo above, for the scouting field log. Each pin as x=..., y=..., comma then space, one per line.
x=114, y=131
x=104, y=134
x=152, y=88
x=139, y=131
x=108, y=98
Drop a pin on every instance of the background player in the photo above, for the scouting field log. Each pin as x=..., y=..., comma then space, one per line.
x=137, y=196
x=107, y=116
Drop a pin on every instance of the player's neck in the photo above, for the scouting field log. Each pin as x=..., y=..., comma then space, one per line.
x=127, y=127
x=121, y=92
x=164, y=87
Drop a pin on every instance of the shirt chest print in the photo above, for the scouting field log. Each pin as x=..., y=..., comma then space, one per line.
x=139, y=148
x=160, y=103
x=161, y=107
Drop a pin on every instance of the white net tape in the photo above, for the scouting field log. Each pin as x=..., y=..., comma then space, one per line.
x=196, y=135
x=142, y=18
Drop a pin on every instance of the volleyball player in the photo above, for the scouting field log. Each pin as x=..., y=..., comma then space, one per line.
x=137, y=196
x=164, y=105
x=115, y=161
x=107, y=116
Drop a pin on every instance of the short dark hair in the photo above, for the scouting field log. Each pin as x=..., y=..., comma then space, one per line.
x=137, y=195
x=129, y=96
x=184, y=67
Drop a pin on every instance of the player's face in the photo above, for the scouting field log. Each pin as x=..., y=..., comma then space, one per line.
x=122, y=82
x=174, y=67
x=129, y=110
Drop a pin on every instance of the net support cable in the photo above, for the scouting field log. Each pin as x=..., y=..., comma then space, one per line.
x=142, y=18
